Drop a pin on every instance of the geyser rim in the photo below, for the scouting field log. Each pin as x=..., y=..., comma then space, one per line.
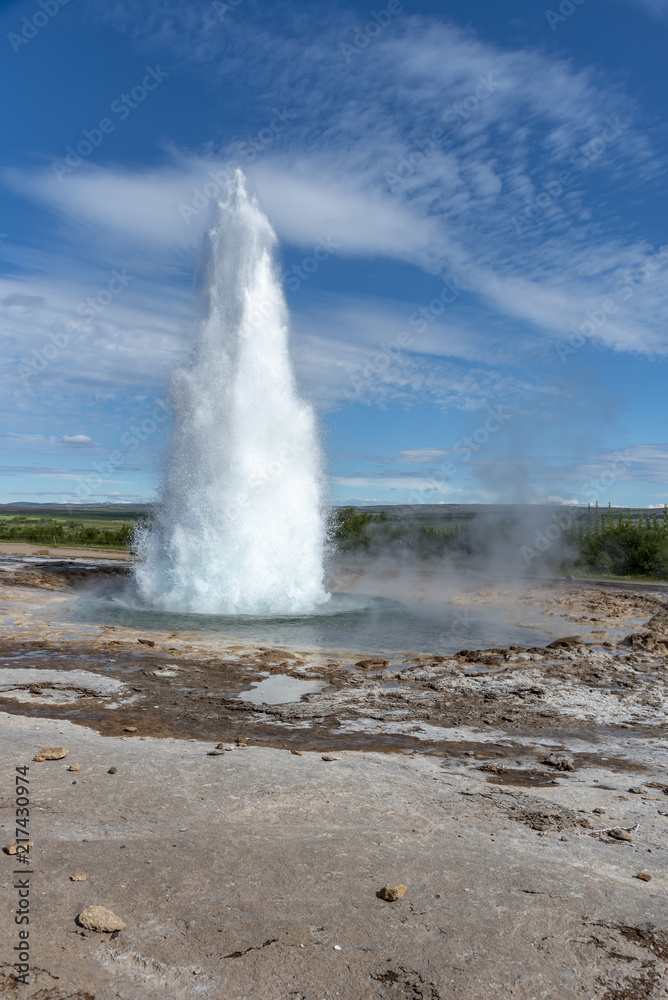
x=339, y=603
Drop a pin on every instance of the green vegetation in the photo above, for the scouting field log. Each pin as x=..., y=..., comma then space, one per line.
x=631, y=544
x=600, y=543
x=91, y=528
x=374, y=534
x=617, y=543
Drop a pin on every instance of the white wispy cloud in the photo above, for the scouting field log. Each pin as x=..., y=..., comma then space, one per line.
x=420, y=456
x=356, y=164
x=460, y=206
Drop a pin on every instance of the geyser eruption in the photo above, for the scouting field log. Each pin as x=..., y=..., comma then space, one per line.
x=240, y=526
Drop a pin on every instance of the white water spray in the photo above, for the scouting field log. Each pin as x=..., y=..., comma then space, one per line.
x=240, y=528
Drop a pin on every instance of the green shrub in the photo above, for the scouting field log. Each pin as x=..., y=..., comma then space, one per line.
x=621, y=545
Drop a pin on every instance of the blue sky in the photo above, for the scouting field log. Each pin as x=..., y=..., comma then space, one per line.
x=485, y=319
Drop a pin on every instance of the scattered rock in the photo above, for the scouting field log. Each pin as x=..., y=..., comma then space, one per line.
x=146, y=642
x=598, y=811
x=373, y=663
x=494, y=768
x=561, y=761
x=214, y=753
x=297, y=753
x=74, y=767
x=327, y=757
x=636, y=790
x=14, y=848
x=644, y=876
x=78, y=877
x=51, y=753
x=241, y=741
x=99, y=918
x=112, y=770
x=566, y=643
x=619, y=834
x=564, y=838
x=129, y=729
x=222, y=746
x=392, y=892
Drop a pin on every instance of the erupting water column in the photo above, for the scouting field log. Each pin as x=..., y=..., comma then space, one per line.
x=240, y=527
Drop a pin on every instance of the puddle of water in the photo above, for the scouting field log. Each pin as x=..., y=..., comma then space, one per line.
x=279, y=689
x=56, y=681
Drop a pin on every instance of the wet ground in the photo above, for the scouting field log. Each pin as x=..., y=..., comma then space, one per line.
x=490, y=724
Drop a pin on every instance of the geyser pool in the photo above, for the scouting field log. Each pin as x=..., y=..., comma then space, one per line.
x=348, y=622
x=240, y=526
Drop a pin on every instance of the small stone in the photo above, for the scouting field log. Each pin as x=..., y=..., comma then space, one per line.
x=297, y=753
x=494, y=768
x=214, y=753
x=222, y=746
x=636, y=790
x=17, y=848
x=146, y=642
x=561, y=761
x=78, y=877
x=327, y=757
x=129, y=729
x=112, y=770
x=618, y=834
x=564, y=838
x=598, y=811
x=392, y=892
x=241, y=741
x=373, y=663
x=74, y=767
x=51, y=753
x=99, y=918
x=644, y=876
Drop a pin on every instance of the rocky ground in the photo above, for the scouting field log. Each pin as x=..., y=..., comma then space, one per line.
x=519, y=794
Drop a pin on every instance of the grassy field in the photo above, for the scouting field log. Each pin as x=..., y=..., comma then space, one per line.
x=91, y=527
